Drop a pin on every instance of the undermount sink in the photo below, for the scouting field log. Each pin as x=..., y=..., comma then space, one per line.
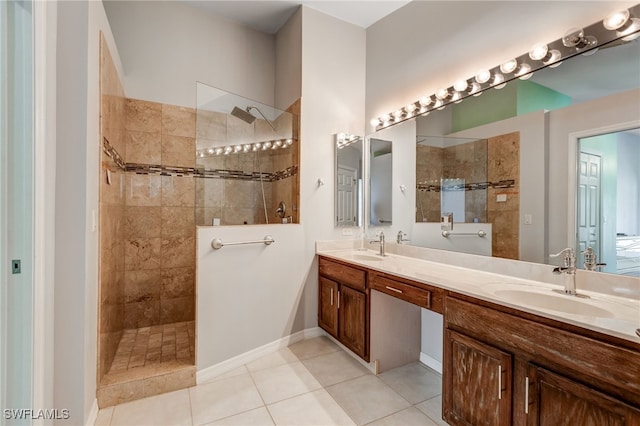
x=366, y=257
x=554, y=302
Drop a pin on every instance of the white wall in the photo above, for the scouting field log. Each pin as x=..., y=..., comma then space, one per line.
x=252, y=295
x=77, y=167
x=167, y=46
x=585, y=119
x=628, y=191
x=288, y=78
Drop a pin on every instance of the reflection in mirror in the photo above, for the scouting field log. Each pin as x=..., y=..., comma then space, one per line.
x=475, y=179
x=246, y=160
x=348, y=178
x=380, y=176
x=608, y=205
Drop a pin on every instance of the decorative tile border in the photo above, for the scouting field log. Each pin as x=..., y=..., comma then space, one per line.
x=425, y=187
x=156, y=169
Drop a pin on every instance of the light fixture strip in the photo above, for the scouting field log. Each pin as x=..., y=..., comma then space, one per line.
x=521, y=67
x=245, y=148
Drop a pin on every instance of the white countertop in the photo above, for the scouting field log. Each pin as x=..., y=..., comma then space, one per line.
x=612, y=315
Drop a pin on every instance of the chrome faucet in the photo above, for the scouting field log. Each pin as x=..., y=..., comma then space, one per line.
x=568, y=268
x=400, y=238
x=591, y=260
x=381, y=241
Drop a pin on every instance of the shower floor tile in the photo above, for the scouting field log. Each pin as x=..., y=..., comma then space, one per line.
x=147, y=351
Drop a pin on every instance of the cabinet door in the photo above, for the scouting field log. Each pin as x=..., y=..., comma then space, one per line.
x=352, y=313
x=477, y=388
x=328, y=306
x=555, y=401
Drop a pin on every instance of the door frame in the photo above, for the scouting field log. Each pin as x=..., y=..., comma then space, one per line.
x=572, y=181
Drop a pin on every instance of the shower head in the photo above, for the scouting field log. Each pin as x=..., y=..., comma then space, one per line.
x=243, y=115
x=247, y=117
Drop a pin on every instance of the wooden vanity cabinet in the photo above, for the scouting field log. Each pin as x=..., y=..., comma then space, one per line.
x=502, y=368
x=343, y=305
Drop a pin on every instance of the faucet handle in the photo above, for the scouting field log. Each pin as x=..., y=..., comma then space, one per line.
x=567, y=255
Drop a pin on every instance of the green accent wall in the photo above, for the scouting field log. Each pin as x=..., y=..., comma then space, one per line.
x=517, y=98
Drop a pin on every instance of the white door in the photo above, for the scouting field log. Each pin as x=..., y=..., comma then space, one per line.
x=16, y=209
x=347, y=197
x=589, y=183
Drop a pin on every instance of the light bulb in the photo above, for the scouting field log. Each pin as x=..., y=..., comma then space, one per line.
x=575, y=38
x=424, y=101
x=483, y=76
x=456, y=98
x=219, y=151
x=460, y=85
x=552, y=58
x=385, y=118
x=442, y=94
x=538, y=52
x=498, y=81
x=616, y=20
x=227, y=150
x=475, y=88
x=437, y=104
x=340, y=137
x=237, y=148
x=278, y=144
x=410, y=108
x=524, y=72
x=266, y=145
x=630, y=33
x=254, y=147
x=257, y=145
x=375, y=122
x=289, y=142
x=200, y=154
x=509, y=66
x=210, y=151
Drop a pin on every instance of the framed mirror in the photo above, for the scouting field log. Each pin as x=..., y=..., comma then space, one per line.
x=349, y=180
x=380, y=182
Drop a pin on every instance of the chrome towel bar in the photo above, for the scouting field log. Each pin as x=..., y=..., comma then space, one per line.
x=218, y=244
x=480, y=233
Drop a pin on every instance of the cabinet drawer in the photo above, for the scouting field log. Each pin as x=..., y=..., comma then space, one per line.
x=404, y=291
x=344, y=274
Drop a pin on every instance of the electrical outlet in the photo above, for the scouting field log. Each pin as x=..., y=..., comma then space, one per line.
x=347, y=231
x=16, y=267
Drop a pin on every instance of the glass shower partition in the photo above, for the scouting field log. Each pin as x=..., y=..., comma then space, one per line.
x=246, y=161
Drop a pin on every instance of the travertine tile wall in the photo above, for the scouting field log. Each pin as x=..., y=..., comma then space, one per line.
x=112, y=212
x=491, y=160
x=238, y=202
x=429, y=170
x=159, y=216
x=503, y=164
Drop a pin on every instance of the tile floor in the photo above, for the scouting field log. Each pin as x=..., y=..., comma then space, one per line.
x=313, y=382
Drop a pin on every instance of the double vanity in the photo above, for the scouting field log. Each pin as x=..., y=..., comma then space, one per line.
x=514, y=350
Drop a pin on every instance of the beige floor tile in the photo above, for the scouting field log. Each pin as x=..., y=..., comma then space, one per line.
x=313, y=347
x=335, y=368
x=414, y=382
x=167, y=409
x=223, y=398
x=314, y=408
x=409, y=417
x=104, y=417
x=258, y=417
x=285, y=381
x=433, y=408
x=367, y=398
x=232, y=373
x=275, y=359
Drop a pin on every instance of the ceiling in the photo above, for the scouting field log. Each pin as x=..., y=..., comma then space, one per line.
x=268, y=16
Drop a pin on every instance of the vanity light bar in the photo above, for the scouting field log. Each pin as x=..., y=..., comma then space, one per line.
x=619, y=27
x=343, y=140
x=244, y=148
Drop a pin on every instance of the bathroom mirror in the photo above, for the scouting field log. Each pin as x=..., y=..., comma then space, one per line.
x=596, y=86
x=348, y=179
x=380, y=182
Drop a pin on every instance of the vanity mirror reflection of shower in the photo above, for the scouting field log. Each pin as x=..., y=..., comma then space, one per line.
x=246, y=159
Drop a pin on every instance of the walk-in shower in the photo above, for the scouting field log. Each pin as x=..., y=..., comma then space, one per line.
x=246, y=159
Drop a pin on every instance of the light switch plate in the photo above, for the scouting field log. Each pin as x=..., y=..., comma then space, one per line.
x=501, y=198
x=528, y=219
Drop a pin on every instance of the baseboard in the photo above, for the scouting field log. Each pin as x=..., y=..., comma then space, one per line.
x=430, y=362
x=93, y=414
x=223, y=367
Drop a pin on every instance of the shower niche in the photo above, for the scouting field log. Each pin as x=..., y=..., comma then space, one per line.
x=246, y=160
